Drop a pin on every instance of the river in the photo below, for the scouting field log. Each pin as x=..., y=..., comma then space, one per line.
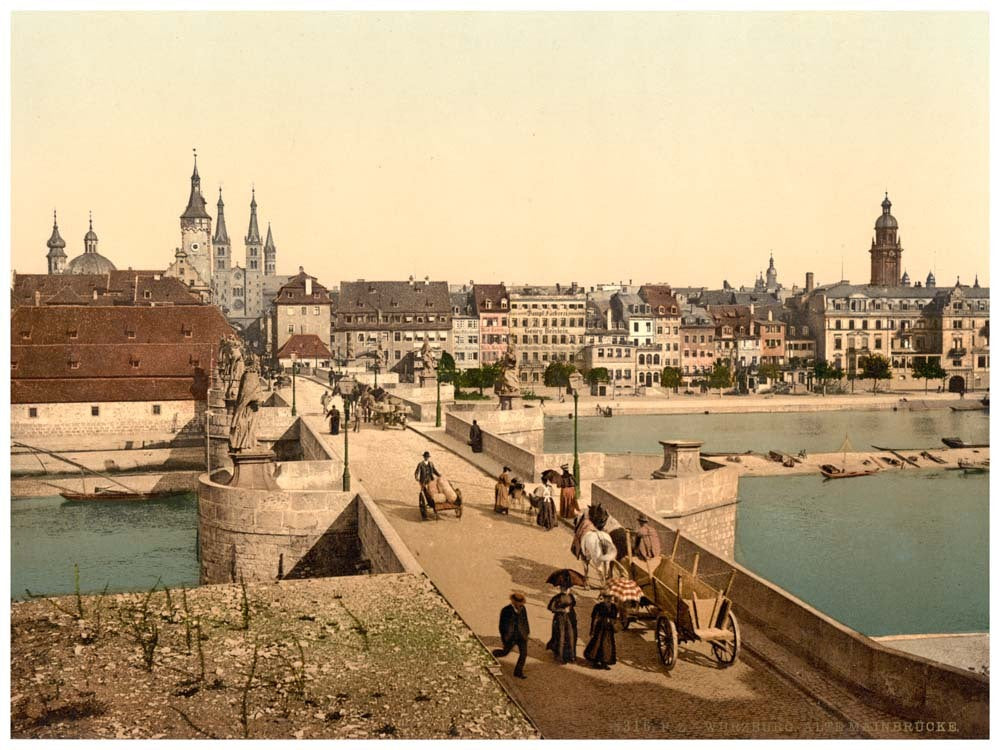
x=899, y=552
x=127, y=546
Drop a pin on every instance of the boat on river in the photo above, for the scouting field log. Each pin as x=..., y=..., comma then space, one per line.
x=954, y=442
x=107, y=493
x=974, y=467
x=830, y=471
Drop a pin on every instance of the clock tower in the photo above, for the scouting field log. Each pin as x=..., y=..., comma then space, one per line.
x=886, y=248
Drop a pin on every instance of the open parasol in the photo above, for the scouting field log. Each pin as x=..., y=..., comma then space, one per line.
x=565, y=578
x=624, y=589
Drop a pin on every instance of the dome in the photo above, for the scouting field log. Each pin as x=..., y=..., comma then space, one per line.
x=90, y=235
x=886, y=221
x=90, y=263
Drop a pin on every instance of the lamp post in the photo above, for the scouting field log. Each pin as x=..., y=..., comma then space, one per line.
x=576, y=450
x=346, y=386
x=294, y=358
x=437, y=413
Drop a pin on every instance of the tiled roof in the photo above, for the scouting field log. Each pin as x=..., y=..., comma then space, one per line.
x=495, y=293
x=659, y=295
x=304, y=346
x=112, y=325
x=293, y=291
x=95, y=390
x=115, y=288
x=393, y=297
x=461, y=303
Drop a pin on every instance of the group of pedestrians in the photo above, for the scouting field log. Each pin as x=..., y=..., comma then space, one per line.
x=600, y=650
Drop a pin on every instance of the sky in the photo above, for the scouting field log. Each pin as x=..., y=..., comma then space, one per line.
x=590, y=147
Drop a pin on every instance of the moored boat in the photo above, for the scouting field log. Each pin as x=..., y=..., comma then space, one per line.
x=954, y=442
x=974, y=467
x=105, y=493
x=836, y=472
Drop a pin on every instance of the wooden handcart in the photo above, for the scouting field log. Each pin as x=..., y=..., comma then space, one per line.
x=442, y=497
x=680, y=606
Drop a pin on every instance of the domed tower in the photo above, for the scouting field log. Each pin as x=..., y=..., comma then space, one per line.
x=772, y=276
x=886, y=249
x=91, y=262
x=196, y=228
x=931, y=281
x=270, y=253
x=57, y=249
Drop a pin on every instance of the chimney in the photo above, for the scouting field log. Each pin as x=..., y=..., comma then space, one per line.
x=751, y=309
x=810, y=281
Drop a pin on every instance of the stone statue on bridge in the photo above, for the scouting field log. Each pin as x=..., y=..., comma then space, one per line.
x=509, y=383
x=232, y=364
x=428, y=359
x=243, y=428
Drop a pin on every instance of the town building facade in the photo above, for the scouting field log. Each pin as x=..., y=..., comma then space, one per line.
x=547, y=324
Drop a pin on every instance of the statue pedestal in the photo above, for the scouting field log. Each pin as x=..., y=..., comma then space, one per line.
x=507, y=403
x=680, y=458
x=252, y=470
x=428, y=381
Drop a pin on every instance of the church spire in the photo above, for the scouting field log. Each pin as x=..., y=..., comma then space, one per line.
x=196, y=203
x=56, y=242
x=269, y=242
x=221, y=235
x=253, y=233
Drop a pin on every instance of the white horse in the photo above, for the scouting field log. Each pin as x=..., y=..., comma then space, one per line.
x=597, y=549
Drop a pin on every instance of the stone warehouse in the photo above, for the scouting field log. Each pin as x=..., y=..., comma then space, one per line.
x=111, y=369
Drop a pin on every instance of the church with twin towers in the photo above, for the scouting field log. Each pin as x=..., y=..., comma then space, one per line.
x=204, y=260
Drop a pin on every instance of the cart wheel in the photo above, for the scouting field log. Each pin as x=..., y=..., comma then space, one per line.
x=666, y=641
x=726, y=651
x=624, y=617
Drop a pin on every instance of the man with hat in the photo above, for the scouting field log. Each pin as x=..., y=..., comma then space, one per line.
x=647, y=541
x=514, y=631
x=425, y=474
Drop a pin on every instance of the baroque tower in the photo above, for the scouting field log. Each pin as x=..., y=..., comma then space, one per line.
x=886, y=248
x=196, y=229
x=772, y=276
x=57, y=249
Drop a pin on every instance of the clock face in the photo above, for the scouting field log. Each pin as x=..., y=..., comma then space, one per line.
x=194, y=246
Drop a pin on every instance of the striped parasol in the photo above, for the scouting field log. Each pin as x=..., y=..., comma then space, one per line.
x=624, y=589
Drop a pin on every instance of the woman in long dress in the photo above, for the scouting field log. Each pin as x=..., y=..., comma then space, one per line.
x=563, y=641
x=547, y=507
x=568, y=507
x=600, y=651
x=501, y=492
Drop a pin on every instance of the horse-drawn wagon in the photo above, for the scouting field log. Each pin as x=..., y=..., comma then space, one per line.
x=439, y=496
x=679, y=604
x=390, y=412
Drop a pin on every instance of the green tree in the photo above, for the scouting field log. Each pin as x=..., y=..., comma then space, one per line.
x=597, y=375
x=472, y=378
x=671, y=378
x=824, y=372
x=448, y=373
x=928, y=369
x=490, y=373
x=557, y=374
x=770, y=372
x=874, y=367
x=721, y=376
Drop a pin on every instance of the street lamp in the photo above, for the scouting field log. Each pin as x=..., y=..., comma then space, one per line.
x=437, y=417
x=346, y=386
x=294, y=357
x=575, y=382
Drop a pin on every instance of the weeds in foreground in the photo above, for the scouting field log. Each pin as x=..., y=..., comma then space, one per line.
x=245, y=698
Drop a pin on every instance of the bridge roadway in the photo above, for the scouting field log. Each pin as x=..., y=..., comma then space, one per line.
x=476, y=561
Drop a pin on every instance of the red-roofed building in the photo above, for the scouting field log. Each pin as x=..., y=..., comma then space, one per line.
x=112, y=368
x=308, y=348
x=301, y=307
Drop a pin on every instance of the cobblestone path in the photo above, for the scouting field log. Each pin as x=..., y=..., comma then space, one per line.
x=476, y=561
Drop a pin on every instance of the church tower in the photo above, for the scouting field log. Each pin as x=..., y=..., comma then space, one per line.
x=886, y=248
x=270, y=253
x=57, y=249
x=220, y=242
x=196, y=229
x=255, y=255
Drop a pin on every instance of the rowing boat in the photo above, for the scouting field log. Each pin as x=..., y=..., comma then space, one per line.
x=104, y=493
x=835, y=472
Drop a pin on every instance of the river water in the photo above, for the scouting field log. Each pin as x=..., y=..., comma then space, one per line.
x=126, y=545
x=898, y=552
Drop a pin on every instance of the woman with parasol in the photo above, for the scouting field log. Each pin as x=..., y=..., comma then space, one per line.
x=562, y=606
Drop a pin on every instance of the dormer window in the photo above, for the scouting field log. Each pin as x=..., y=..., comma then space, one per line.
x=13, y=364
x=147, y=294
x=187, y=331
x=130, y=333
x=73, y=333
x=489, y=304
x=134, y=363
x=194, y=361
x=74, y=364
x=26, y=335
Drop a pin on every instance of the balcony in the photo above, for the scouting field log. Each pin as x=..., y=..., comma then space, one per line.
x=957, y=352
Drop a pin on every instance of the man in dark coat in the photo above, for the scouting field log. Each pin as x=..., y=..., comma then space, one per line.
x=514, y=631
x=334, y=420
x=476, y=437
